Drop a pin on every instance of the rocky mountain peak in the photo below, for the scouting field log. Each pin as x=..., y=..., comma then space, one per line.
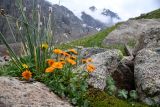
x=107, y=12
x=90, y=21
x=93, y=8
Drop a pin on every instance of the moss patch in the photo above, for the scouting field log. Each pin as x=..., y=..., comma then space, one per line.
x=99, y=98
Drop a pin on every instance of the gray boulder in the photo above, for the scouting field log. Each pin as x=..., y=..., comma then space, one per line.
x=147, y=66
x=147, y=75
x=105, y=64
x=88, y=52
x=15, y=93
x=129, y=31
x=148, y=39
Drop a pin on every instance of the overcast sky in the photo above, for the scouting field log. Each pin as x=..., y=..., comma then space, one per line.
x=125, y=8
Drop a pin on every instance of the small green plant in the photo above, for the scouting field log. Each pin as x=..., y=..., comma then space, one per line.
x=110, y=81
x=133, y=95
x=111, y=88
x=123, y=94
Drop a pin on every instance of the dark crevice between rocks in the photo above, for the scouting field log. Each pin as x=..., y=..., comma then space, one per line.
x=124, y=76
x=3, y=105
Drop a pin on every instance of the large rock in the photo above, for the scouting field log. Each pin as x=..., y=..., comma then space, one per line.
x=147, y=75
x=148, y=39
x=147, y=66
x=15, y=93
x=129, y=31
x=88, y=52
x=105, y=64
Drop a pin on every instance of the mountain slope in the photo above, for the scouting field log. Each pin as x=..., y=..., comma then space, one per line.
x=154, y=14
x=90, y=21
x=65, y=24
x=96, y=40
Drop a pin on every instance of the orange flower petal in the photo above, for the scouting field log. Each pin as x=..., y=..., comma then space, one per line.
x=89, y=60
x=73, y=51
x=57, y=51
x=57, y=65
x=73, y=57
x=84, y=60
x=49, y=69
x=50, y=62
x=90, y=68
x=27, y=74
x=71, y=61
x=66, y=54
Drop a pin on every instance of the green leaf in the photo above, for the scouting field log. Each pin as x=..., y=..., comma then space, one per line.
x=123, y=94
x=110, y=81
x=133, y=94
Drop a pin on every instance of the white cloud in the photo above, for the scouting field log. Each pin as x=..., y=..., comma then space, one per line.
x=125, y=8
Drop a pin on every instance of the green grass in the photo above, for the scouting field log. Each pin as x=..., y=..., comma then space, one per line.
x=3, y=70
x=90, y=41
x=151, y=15
x=94, y=41
x=99, y=98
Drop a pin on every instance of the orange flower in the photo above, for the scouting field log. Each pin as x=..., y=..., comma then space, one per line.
x=57, y=51
x=49, y=69
x=57, y=65
x=66, y=54
x=50, y=62
x=90, y=68
x=84, y=60
x=27, y=74
x=71, y=61
x=89, y=60
x=62, y=62
x=73, y=51
x=73, y=57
